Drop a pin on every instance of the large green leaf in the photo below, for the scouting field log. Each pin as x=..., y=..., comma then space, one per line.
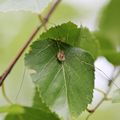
x=77, y=37
x=64, y=75
x=35, y=6
x=110, y=21
x=17, y=112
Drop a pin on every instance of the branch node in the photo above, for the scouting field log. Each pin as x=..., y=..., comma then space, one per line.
x=90, y=111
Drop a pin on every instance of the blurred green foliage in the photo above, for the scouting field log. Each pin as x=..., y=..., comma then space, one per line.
x=110, y=21
x=107, y=48
x=109, y=32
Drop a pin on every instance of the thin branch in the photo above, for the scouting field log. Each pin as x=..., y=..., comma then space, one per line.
x=10, y=67
x=42, y=21
x=93, y=110
x=100, y=91
x=105, y=96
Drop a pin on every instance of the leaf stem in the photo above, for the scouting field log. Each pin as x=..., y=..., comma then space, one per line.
x=17, y=57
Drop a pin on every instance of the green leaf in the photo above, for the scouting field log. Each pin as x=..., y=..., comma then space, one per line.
x=64, y=75
x=77, y=37
x=113, y=57
x=104, y=41
x=38, y=102
x=28, y=113
x=66, y=32
x=39, y=111
x=107, y=49
x=110, y=21
x=88, y=41
x=35, y=6
x=116, y=96
x=13, y=109
x=110, y=29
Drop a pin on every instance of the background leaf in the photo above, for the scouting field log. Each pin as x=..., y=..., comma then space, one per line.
x=17, y=112
x=107, y=49
x=69, y=83
x=110, y=21
x=109, y=33
x=35, y=6
x=88, y=41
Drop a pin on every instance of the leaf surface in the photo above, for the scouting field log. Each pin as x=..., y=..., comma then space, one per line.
x=38, y=102
x=75, y=36
x=64, y=75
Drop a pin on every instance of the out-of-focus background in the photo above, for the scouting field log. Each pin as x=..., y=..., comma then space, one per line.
x=15, y=28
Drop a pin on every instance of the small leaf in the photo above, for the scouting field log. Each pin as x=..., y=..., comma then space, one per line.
x=68, y=83
x=35, y=6
x=27, y=113
x=116, y=96
x=77, y=37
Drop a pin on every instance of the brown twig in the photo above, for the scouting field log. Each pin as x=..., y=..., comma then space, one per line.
x=42, y=21
x=10, y=67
